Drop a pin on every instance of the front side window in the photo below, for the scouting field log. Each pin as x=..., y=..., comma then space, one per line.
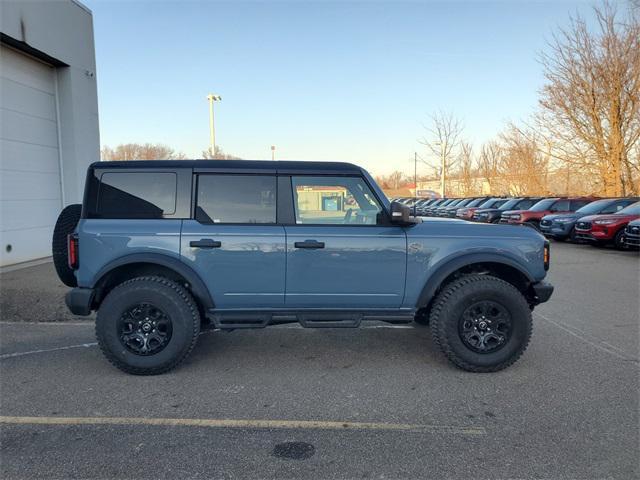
x=334, y=201
x=136, y=195
x=236, y=199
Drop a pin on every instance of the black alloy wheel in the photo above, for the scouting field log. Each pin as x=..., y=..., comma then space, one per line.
x=144, y=329
x=485, y=326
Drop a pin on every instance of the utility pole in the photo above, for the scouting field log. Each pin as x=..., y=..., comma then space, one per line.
x=212, y=131
x=415, y=172
x=443, y=147
x=273, y=152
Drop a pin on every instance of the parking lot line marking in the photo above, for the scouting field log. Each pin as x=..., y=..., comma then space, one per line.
x=227, y=423
x=594, y=342
x=46, y=350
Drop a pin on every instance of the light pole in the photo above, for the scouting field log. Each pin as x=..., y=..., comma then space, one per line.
x=273, y=152
x=212, y=130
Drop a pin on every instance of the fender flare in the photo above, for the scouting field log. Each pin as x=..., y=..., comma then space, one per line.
x=198, y=287
x=450, y=266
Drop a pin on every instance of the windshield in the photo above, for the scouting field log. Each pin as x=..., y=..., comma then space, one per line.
x=594, y=207
x=492, y=203
x=543, y=205
x=475, y=203
x=509, y=204
x=633, y=209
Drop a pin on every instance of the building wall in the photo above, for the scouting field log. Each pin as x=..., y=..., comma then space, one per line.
x=63, y=30
x=49, y=122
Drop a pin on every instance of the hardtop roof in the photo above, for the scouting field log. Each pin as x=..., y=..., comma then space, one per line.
x=238, y=165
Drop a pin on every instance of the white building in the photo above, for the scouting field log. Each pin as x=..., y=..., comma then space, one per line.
x=48, y=119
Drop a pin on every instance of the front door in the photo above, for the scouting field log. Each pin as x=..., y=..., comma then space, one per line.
x=342, y=253
x=234, y=243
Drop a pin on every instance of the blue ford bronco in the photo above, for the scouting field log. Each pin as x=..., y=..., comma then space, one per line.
x=161, y=249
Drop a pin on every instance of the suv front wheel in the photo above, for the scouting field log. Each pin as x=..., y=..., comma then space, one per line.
x=147, y=325
x=481, y=323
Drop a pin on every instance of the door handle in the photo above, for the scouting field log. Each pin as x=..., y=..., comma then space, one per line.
x=309, y=244
x=205, y=243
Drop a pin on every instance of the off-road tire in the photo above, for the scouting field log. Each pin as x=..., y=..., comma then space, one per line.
x=422, y=317
x=172, y=299
x=452, y=301
x=65, y=225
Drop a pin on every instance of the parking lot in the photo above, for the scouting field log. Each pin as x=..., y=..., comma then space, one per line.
x=379, y=402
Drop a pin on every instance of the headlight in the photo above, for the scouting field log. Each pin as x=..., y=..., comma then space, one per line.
x=563, y=220
x=516, y=217
x=605, y=222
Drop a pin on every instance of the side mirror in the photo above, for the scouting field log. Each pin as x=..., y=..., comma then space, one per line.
x=400, y=213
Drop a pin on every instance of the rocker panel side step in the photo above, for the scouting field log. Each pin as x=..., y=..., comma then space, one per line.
x=235, y=319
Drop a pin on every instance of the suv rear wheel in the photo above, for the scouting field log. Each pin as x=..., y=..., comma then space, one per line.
x=481, y=323
x=147, y=325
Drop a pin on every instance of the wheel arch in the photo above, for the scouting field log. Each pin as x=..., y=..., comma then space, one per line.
x=491, y=264
x=136, y=265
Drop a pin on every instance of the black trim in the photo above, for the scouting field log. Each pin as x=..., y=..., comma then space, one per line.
x=29, y=50
x=542, y=292
x=79, y=300
x=285, y=213
x=436, y=279
x=198, y=287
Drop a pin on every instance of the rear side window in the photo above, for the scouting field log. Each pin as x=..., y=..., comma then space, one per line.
x=136, y=195
x=236, y=199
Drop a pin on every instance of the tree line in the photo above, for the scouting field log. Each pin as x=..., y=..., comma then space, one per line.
x=584, y=137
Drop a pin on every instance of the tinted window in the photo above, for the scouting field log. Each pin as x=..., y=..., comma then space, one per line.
x=560, y=206
x=136, y=194
x=542, y=205
x=511, y=204
x=236, y=199
x=633, y=209
x=599, y=206
x=334, y=201
x=576, y=204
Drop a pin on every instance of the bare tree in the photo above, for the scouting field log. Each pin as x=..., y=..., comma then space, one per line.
x=524, y=166
x=467, y=169
x=140, y=151
x=442, y=140
x=591, y=101
x=219, y=154
x=489, y=166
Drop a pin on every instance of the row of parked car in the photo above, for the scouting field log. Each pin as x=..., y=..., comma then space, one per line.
x=599, y=221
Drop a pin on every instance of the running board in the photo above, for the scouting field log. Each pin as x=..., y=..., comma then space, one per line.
x=230, y=320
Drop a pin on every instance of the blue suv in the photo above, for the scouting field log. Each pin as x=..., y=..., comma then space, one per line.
x=161, y=249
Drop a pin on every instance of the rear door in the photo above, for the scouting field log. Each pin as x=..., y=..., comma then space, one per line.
x=234, y=242
x=342, y=252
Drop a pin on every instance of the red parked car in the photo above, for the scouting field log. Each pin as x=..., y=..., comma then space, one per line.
x=605, y=229
x=546, y=206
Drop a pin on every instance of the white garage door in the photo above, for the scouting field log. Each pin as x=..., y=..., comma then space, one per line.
x=30, y=193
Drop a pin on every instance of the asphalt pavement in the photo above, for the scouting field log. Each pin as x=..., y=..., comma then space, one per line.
x=377, y=402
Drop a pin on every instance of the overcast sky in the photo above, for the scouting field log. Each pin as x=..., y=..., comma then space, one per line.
x=321, y=81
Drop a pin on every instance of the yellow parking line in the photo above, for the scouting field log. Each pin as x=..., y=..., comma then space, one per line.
x=226, y=423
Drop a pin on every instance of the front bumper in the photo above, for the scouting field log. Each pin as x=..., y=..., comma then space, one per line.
x=542, y=292
x=557, y=230
x=631, y=240
x=79, y=300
